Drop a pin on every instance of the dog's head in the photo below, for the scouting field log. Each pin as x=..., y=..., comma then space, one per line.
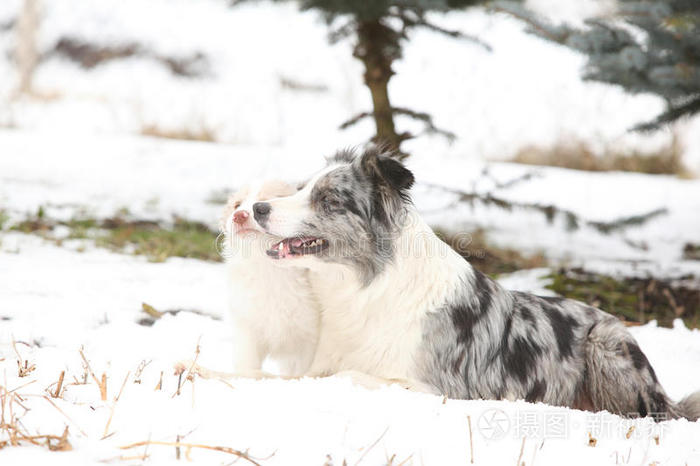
x=244, y=236
x=350, y=213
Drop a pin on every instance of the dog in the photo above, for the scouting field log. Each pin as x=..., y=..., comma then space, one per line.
x=399, y=303
x=272, y=308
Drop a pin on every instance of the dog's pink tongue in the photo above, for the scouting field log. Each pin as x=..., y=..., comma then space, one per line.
x=297, y=242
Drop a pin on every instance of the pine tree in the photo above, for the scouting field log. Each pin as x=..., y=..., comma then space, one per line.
x=645, y=46
x=379, y=29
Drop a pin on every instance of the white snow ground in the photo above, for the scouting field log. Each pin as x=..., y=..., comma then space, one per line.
x=76, y=152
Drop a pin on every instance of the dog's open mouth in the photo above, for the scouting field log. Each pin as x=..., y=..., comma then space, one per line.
x=297, y=246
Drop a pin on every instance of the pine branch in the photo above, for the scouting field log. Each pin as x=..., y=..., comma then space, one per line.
x=551, y=212
x=540, y=28
x=341, y=32
x=427, y=120
x=356, y=119
x=415, y=17
x=670, y=116
x=456, y=34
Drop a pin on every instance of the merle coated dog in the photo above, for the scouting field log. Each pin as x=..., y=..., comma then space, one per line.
x=398, y=303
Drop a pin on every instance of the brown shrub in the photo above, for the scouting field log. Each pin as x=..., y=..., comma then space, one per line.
x=578, y=155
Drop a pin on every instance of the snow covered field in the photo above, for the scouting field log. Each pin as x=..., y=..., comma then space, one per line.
x=80, y=153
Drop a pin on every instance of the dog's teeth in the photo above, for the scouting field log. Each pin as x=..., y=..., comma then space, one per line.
x=280, y=247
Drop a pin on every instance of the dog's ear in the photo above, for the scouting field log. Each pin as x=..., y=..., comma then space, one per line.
x=386, y=171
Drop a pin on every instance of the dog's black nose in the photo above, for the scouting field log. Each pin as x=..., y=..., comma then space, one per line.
x=261, y=210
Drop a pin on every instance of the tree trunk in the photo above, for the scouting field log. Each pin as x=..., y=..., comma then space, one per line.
x=26, y=53
x=377, y=47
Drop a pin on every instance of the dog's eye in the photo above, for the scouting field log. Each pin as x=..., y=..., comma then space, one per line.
x=330, y=203
x=236, y=204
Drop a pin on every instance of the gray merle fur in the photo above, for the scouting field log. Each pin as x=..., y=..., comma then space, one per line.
x=484, y=341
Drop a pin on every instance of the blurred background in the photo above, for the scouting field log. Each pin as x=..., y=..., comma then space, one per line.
x=125, y=124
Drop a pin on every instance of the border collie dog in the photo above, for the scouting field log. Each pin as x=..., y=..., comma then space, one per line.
x=273, y=311
x=398, y=303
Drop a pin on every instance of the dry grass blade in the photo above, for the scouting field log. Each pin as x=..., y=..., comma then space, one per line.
x=21, y=386
x=102, y=384
x=64, y=415
x=59, y=385
x=17, y=433
x=106, y=433
x=374, y=444
x=139, y=370
x=62, y=443
x=229, y=450
x=159, y=386
x=23, y=366
x=190, y=372
x=471, y=440
x=592, y=441
x=520, y=456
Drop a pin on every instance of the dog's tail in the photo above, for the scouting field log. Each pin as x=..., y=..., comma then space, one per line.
x=622, y=381
x=689, y=407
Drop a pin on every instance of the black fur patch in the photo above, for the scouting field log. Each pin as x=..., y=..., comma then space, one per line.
x=457, y=364
x=466, y=316
x=536, y=393
x=527, y=315
x=521, y=358
x=658, y=404
x=506, y=334
x=641, y=406
x=635, y=354
x=465, y=319
x=482, y=287
x=563, y=327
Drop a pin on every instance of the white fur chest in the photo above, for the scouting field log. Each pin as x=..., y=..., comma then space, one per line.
x=377, y=329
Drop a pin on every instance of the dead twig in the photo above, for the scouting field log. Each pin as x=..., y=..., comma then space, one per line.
x=522, y=449
x=114, y=405
x=103, y=387
x=102, y=384
x=159, y=386
x=374, y=444
x=592, y=441
x=471, y=440
x=190, y=373
x=64, y=415
x=59, y=385
x=229, y=450
x=23, y=366
x=139, y=370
